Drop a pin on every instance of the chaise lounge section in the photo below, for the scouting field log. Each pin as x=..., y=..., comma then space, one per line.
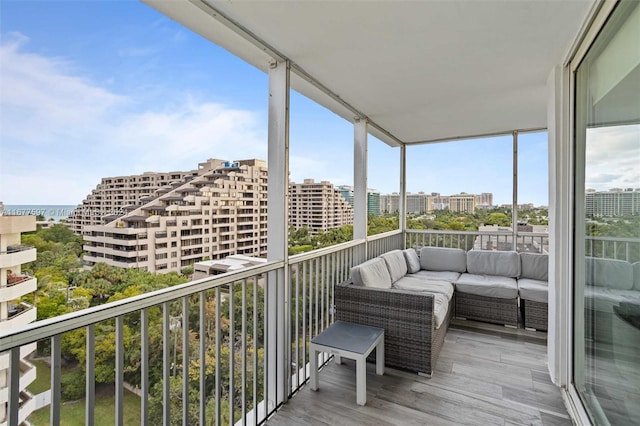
x=415, y=321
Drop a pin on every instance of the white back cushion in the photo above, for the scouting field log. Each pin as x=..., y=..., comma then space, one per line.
x=499, y=263
x=443, y=259
x=534, y=266
x=413, y=262
x=396, y=264
x=372, y=273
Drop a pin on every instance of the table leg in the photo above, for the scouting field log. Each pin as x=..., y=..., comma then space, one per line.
x=337, y=359
x=313, y=361
x=361, y=380
x=380, y=357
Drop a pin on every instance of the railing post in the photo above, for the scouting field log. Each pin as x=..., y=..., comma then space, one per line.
x=277, y=229
x=360, y=151
x=514, y=207
x=403, y=194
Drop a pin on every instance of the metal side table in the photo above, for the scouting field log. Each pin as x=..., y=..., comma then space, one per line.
x=353, y=341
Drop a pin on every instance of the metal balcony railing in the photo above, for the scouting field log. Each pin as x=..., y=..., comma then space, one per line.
x=536, y=242
x=225, y=349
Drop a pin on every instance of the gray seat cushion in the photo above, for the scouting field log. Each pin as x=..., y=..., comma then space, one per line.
x=534, y=290
x=417, y=284
x=413, y=262
x=488, y=285
x=534, y=266
x=443, y=259
x=440, y=308
x=450, y=276
x=611, y=273
x=396, y=264
x=498, y=263
x=604, y=299
x=372, y=273
x=636, y=275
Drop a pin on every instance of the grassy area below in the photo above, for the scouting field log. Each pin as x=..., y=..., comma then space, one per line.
x=43, y=377
x=72, y=413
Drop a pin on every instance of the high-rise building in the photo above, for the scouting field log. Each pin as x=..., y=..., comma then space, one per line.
x=462, y=203
x=390, y=203
x=220, y=211
x=373, y=199
x=484, y=200
x=14, y=314
x=416, y=203
x=612, y=203
x=115, y=196
x=318, y=206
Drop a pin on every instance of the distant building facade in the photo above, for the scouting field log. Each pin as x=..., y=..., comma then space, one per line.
x=15, y=314
x=221, y=211
x=318, y=206
x=115, y=196
x=373, y=199
x=233, y=263
x=462, y=203
x=613, y=203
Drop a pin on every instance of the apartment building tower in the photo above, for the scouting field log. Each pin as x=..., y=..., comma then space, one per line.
x=116, y=195
x=373, y=199
x=318, y=206
x=612, y=203
x=13, y=313
x=220, y=211
x=462, y=203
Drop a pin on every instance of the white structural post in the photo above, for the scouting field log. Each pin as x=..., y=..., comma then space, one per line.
x=277, y=230
x=560, y=226
x=403, y=192
x=360, y=153
x=514, y=202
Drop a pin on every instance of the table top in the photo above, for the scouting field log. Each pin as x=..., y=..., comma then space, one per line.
x=350, y=337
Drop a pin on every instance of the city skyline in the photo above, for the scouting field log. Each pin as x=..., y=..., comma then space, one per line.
x=82, y=100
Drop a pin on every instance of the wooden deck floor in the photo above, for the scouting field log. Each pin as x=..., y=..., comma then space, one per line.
x=492, y=376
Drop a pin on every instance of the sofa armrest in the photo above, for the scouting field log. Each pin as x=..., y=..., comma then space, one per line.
x=402, y=314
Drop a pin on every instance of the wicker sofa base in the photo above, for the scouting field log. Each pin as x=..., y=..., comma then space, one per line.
x=487, y=309
x=535, y=314
x=411, y=341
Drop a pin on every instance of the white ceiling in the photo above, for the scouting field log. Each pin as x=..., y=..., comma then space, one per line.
x=421, y=71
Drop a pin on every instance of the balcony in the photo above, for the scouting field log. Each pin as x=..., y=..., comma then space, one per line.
x=17, y=286
x=18, y=316
x=17, y=255
x=505, y=380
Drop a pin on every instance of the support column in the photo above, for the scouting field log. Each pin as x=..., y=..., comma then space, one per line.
x=360, y=154
x=514, y=201
x=277, y=231
x=559, y=337
x=403, y=192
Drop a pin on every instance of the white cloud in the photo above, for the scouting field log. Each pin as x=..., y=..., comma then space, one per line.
x=613, y=157
x=64, y=132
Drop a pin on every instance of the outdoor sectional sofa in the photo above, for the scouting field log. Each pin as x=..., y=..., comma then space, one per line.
x=413, y=297
x=414, y=310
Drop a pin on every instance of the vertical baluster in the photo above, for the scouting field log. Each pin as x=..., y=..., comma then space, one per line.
x=144, y=367
x=297, y=325
x=323, y=273
x=55, y=380
x=218, y=325
x=244, y=351
x=304, y=318
x=166, y=359
x=185, y=361
x=202, y=356
x=90, y=381
x=232, y=339
x=315, y=285
x=14, y=387
x=119, y=371
x=255, y=350
x=265, y=346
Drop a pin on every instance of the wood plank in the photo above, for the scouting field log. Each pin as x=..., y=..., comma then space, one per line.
x=481, y=378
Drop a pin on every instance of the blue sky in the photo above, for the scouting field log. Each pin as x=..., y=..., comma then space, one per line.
x=95, y=89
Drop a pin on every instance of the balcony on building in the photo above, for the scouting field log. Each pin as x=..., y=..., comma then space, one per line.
x=409, y=74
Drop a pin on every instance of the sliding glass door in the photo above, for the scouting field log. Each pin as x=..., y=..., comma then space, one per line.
x=606, y=355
